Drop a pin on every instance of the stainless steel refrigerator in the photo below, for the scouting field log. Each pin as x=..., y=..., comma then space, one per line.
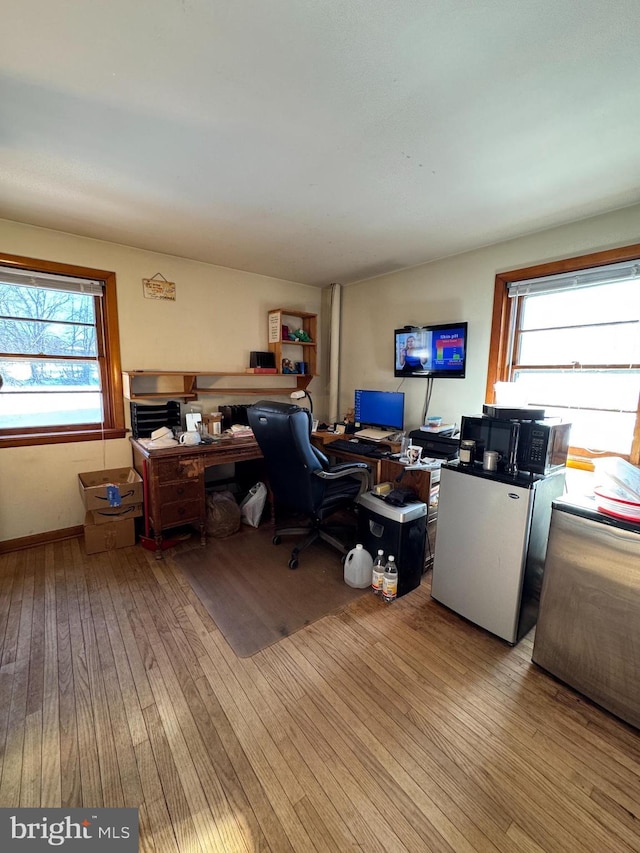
x=491, y=545
x=588, y=631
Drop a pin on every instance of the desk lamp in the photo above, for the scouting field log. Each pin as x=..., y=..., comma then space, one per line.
x=299, y=395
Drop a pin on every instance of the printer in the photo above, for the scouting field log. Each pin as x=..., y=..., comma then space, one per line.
x=436, y=446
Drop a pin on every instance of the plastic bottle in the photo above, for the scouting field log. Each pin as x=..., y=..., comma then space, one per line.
x=390, y=580
x=357, y=567
x=377, y=573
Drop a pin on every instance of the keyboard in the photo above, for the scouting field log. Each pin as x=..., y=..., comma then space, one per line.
x=362, y=448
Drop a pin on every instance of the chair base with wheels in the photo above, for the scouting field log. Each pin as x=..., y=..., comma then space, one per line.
x=314, y=533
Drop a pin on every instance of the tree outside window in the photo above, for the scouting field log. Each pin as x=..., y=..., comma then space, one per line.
x=59, y=354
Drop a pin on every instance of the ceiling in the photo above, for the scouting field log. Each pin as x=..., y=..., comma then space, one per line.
x=317, y=140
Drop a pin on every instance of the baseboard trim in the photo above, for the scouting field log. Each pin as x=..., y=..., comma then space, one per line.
x=40, y=539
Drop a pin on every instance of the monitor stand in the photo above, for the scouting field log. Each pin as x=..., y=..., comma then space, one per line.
x=374, y=434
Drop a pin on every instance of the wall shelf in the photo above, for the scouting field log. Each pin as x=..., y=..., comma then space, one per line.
x=164, y=384
x=192, y=384
x=158, y=384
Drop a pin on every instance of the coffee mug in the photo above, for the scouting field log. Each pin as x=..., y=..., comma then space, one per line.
x=190, y=437
x=490, y=460
x=414, y=452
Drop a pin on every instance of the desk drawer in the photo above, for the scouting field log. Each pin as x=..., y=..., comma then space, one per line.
x=185, y=490
x=180, y=512
x=176, y=469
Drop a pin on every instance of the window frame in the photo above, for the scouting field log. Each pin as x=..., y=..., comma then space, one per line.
x=498, y=365
x=109, y=361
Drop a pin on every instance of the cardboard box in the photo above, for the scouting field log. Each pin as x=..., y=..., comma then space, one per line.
x=99, y=489
x=213, y=422
x=108, y=514
x=108, y=537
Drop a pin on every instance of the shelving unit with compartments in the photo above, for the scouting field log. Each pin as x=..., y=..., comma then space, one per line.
x=295, y=351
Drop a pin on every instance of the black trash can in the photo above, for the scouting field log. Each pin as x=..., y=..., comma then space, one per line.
x=397, y=530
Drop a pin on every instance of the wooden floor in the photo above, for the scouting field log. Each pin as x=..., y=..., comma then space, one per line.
x=386, y=728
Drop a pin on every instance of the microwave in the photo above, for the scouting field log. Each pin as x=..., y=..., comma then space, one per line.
x=534, y=447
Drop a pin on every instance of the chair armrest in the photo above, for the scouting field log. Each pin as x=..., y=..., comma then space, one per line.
x=360, y=470
x=345, y=466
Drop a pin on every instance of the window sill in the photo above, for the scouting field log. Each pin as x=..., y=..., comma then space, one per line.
x=30, y=439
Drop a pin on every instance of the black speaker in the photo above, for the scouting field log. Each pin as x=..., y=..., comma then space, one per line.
x=262, y=359
x=233, y=415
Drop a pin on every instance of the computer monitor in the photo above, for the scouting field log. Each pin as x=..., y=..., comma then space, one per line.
x=383, y=410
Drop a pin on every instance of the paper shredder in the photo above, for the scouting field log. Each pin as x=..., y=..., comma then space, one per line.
x=397, y=530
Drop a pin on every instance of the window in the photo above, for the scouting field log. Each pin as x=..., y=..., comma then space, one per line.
x=566, y=337
x=59, y=354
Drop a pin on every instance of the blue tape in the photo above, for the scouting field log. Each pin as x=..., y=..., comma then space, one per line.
x=113, y=495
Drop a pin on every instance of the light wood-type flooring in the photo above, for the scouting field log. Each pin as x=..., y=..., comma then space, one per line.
x=385, y=728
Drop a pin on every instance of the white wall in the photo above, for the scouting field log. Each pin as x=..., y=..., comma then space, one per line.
x=452, y=290
x=219, y=316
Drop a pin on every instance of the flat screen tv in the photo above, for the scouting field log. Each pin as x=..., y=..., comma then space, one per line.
x=379, y=409
x=434, y=352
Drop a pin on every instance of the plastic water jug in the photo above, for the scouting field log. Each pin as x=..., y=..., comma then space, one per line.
x=358, y=565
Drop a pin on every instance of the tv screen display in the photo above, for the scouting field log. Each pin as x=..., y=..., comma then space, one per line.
x=438, y=351
x=383, y=409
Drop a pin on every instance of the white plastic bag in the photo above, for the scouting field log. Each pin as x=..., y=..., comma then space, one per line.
x=252, y=506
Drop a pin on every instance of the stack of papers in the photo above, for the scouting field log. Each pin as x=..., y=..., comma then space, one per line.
x=424, y=465
x=158, y=443
x=441, y=428
x=238, y=431
x=618, y=490
x=617, y=474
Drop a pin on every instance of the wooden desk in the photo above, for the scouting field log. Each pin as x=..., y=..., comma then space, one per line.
x=174, y=481
x=320, y=439
x=421, y=481
x=174, y=478
x=382, y=470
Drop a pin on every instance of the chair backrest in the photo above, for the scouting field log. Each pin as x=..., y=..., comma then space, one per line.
x=283, y=432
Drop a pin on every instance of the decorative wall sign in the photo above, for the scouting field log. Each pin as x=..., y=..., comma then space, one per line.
x=275, y=327
x=157, y=287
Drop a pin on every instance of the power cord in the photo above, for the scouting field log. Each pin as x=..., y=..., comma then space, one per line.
x=427, y=399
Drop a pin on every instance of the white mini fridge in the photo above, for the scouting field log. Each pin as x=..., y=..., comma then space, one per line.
x=491, y=546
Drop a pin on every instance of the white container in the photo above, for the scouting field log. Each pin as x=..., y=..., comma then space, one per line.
x=190, y=437
x=358, y=566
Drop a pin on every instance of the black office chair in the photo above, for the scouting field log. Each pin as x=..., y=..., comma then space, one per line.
x=300, y=477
